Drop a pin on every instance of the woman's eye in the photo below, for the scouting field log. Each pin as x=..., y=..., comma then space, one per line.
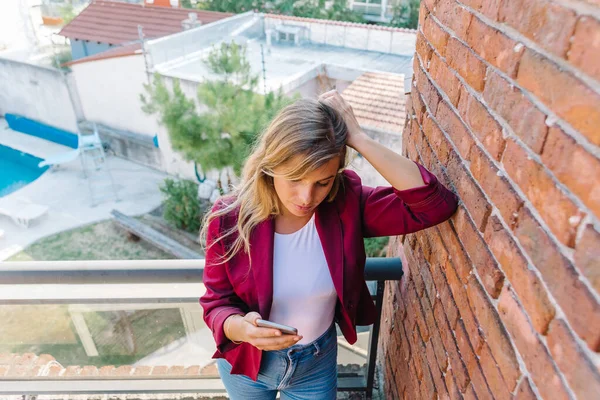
x=323, y=184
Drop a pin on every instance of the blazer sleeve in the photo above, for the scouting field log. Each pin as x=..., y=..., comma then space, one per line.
x=387, y=211
x=219, y=301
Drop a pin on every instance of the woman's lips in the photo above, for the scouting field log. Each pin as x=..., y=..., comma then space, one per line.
x=301, y=208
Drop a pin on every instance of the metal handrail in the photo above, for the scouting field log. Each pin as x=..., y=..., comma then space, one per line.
x=166, y=281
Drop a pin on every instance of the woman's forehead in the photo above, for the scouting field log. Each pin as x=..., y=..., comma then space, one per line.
x=323, y=172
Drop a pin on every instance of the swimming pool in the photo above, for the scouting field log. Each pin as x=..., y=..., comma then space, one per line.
x=17, y=169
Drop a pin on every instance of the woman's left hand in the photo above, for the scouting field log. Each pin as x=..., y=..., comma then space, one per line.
x=333, y=99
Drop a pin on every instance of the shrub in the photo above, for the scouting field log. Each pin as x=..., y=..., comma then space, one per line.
x=181, y=206
x=375, y=247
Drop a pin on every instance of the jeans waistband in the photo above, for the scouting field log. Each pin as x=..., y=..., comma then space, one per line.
x=313, y=347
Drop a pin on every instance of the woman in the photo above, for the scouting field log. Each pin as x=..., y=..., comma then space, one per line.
x=287, y=246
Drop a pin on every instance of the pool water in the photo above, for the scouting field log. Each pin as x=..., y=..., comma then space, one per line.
x=17, y=169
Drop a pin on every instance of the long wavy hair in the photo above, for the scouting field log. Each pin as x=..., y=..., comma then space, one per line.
x=307, y=128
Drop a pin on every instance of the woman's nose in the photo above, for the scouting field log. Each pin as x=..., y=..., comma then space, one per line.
x=306, y=195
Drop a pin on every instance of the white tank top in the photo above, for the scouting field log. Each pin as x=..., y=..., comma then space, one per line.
x=303, y=293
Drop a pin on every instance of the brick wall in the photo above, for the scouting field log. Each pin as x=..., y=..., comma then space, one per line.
x=502, y=301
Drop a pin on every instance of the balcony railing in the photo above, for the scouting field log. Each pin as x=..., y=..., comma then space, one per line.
x=135, y=327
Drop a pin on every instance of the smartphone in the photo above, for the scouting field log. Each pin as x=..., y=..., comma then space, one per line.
x=263, y=323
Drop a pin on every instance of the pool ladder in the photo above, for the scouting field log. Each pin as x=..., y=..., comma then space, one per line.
x=96, y=169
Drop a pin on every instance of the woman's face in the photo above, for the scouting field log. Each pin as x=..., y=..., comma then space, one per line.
x=301, y=198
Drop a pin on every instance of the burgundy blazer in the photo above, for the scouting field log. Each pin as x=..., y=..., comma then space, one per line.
x=357, y=212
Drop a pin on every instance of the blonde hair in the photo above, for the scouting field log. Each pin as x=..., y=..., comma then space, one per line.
x=309, y=128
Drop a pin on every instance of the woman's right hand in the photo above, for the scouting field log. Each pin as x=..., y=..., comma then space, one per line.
x=261, y=338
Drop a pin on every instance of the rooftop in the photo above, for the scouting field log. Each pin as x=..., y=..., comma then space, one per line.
x=116, y=22
x=378, y=101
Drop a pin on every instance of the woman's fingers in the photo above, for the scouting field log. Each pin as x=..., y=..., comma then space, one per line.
x=276, y=343
x=258, y=332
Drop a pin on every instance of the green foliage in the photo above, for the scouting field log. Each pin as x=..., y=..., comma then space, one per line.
x=60, y=58
x=67, y=13
x=181, y=206
x=223, y=135
x=376, y=246
x=339, y=11
x=406, y=14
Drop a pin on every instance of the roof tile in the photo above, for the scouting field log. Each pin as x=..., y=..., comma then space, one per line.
x=115, y=22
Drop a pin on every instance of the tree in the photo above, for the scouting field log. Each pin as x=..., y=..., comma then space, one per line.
x=406, y=14
x=223, y=135
x=339, y=10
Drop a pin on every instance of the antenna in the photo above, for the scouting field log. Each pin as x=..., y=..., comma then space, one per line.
x=262, y=56
x=143, y=42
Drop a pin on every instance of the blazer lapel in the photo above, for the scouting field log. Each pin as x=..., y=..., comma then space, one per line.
x=329, y=228
x=261, y=252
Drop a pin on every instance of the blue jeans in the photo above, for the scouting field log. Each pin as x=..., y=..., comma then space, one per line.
x=300, y=372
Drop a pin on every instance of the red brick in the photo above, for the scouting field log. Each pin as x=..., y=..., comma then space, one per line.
x=123, y=370
x=72, y=370
x=209, y=370
x=436, y=342
x=160, y=370
x=548, y=24
x=440, y=144
x=445, y=295
x=557, y=210
x=55, y=370
x=496, y=186
x=483, y=126
x=436, y=374
x=584, y=52
x=458, y=368
x=566, y=95
x=431, y=96
x=496, y=335
x=579, y=171
x=466, y=63
x=470, y=393
x=89, y=370
x=575, y=299
x=453, y=392
x=492, y=375
x=469, y=192
x=106, y=370
x=143, y=370
x=176, y=370
x=462, y=302
x=423, y=12
x=494, y=47
x=43, y=359
x=423, y=49
x=456, y=252
x=572, y=360
x=524, y=391
x=587, y=256
x=413, y=268
x=7, y=358
x=490, y=8
x=525, y=119
x=535, y=355
x=525, y=281
x=416, y=307
x=25, y=359
x=477, y=378
x=488, y=268
x=435, y=35
x=453, y=16
x=418, y=106
x=445, y=79
x=451, y=124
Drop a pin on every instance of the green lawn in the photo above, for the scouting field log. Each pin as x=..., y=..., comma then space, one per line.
x=100, y=241
x=119, y=339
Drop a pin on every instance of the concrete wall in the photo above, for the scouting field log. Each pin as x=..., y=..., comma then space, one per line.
x=84, y=48
x=503, y=300
x=39, y=93
x=350, y=35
